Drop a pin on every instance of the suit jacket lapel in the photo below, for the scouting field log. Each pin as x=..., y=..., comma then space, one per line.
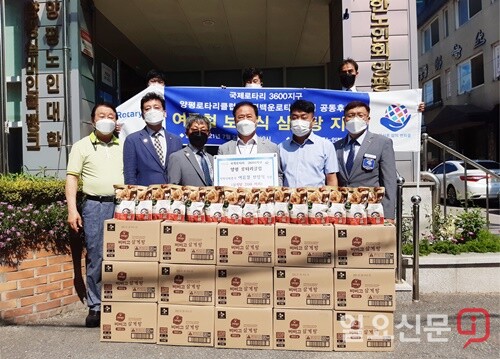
x=168, y=140
x=190, y=155
x=148, y=143
x=261, y=145
x=340, y=156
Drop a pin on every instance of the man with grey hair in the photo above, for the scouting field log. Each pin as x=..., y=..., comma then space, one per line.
x=193, y=166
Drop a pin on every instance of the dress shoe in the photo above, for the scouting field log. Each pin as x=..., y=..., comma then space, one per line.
x=93, y=320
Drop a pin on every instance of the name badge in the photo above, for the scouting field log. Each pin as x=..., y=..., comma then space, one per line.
x=368, y=155
x=368, y=163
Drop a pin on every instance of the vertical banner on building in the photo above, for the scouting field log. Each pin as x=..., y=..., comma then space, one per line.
x=380, y=39
x=43, y=88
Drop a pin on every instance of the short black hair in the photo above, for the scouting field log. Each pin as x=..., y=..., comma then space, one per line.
x=348, y=61
x=354, y=104
x=153, y=73
x=302, y=105
x=152, y=96
x=245, y=103
x=105, y=104
x=249, y=73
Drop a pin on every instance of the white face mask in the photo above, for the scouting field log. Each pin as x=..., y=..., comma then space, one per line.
x=356, y=125
x=301, y=128
x=154, y=116
x=254, y=85
x=105, y=126
x=245, y=127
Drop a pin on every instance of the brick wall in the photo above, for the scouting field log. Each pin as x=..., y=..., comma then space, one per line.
x=40, y=287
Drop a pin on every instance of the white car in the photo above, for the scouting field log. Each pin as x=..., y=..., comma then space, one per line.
x=476, y=180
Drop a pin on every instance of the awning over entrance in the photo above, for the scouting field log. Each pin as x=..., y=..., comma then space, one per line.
x=458, y=117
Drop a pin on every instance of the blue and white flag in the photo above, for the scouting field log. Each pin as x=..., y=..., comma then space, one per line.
x=393, y=114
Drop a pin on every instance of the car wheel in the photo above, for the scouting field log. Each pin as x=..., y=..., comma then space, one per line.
x=451, y=195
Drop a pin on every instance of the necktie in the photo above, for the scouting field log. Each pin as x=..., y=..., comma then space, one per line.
x=157, y=144
x=204, y=167
x=350, y=157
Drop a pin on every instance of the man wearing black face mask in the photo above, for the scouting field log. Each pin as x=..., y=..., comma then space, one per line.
x=193, y=166
x=348, y=71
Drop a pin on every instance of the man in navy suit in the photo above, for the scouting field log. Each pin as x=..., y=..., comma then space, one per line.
x=366, y=159
x=146, y=152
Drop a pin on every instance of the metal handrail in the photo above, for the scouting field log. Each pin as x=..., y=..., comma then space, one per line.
x=399, y=229
x=428, y=176
x=427, y=139
x=416, y=247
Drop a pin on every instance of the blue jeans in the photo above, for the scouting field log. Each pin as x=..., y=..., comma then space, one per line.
x=94, y=214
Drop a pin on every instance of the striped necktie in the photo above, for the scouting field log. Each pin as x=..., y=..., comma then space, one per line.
x=157, y=145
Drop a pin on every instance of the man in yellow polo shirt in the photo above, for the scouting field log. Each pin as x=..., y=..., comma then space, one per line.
x=97, y=160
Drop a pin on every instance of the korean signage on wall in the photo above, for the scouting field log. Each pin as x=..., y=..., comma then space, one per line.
x=381, y=35
x=43, y=87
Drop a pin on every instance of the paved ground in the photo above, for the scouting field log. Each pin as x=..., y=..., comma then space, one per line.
x=65, y=337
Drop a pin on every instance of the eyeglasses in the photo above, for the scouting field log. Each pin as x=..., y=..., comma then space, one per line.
x=361, y=115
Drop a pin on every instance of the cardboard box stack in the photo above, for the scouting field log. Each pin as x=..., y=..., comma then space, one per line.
x=303, y=287
x=320, y=286
x=364, y=288
x=187, y=284
x=244, y=285
x=130, y=281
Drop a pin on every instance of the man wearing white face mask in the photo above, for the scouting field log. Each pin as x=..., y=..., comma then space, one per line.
x=97, y=160
x=245, y=117
x=307, y=159
x=253, y=77
x=146, y=152
x=366, y=159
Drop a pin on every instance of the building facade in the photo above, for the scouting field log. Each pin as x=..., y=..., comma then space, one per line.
x=459, y=72
x=59, y=57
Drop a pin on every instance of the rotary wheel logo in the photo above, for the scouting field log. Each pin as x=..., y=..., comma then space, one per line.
x=396, y=117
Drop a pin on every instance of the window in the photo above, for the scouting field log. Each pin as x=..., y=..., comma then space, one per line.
x=446, y=168
x=446, y=24
x=447, y=78
x=496, y=61
x=431, y=36
x=470, y=74
x=432, y=91
x=467, y=9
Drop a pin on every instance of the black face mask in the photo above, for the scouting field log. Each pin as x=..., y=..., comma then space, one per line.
x=347, y=80
x=198, y=139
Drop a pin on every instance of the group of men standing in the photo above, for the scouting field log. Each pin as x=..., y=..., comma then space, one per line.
x=153, y=155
